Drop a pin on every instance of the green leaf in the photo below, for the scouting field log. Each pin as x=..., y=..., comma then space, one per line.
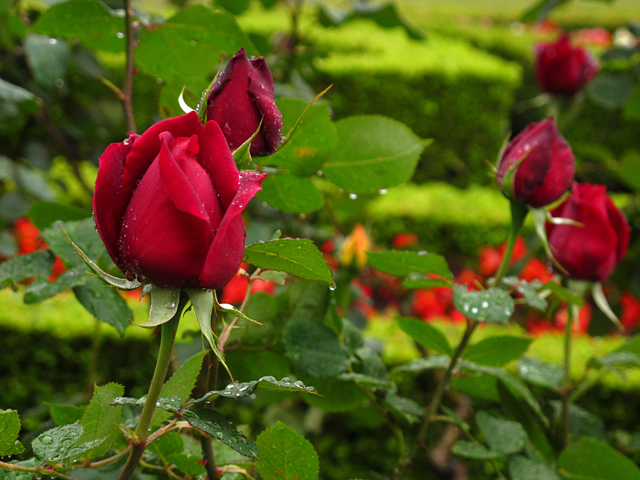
x=84, y=235
x=396, y=262
x=512, y=383
x=91, y=22
x=628, y=170
x=267, y=310
x=610, y=90
x=298, y=257
x=372, y=153
x=589, y=459
x=503, y=436
x=581, y=421
x=37, y=264
x=41, y=290
x=540, y=373
x=104, y=303
x=522, y=468
x=180, y=385
x=405, y=408
x=58, y=443
x=425, y=334
x=421, y=364
x=286, y=455
x=233, y=6
x=44, y=214
x=467, y=449
x=336, y=395
x=515, y=408
x=314, y=349
x=65, y=414
x=563, y=294
x=289, y=193
x=166, y=446
x=9, y=431
x=479, y=387
x=190, y=43
x=16, y=106
x=528, y=290
x=497, y=351
x=310, y=144
x=386, y=15
x=491, y=306
x=214, y=423
x=541, y=10
x=248, y=388
x=47, y=59
x=100, y=420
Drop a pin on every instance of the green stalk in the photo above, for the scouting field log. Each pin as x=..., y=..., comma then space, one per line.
x=168, y=336
x=519, y=213
x=434, y=406
x=567, y=384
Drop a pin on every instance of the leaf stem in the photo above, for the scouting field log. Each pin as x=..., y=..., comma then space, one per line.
x=168, y=336
x=41, y=471
x=127, y=87
x=437, y=396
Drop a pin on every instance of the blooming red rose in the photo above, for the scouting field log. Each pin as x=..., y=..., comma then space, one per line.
x=241, y=97
x=562, y=69
x=168, y=204
x=591, y=251
x=537, y=166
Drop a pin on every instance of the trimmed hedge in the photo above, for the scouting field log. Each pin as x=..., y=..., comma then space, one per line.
x=443, y=89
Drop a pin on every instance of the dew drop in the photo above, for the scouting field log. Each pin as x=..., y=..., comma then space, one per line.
x=159, y=81
x=474, y=310
x=59, y=83
x=353, y=196
x=120, y=35
x=383, y=191
x=485, y=305
x=53, y=41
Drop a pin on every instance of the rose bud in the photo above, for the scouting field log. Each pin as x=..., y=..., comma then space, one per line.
x=168, y=204
x=537, y=166
x=562, y=69
x=241, y=97
x=589, y=251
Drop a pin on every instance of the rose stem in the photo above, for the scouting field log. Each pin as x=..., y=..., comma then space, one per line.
x=566, y=387
x=437, y=396
x=211, y=377
x=127, y=87
x=518, y=214
x=168, y=336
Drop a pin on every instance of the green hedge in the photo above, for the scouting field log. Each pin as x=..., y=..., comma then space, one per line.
x=443, y=89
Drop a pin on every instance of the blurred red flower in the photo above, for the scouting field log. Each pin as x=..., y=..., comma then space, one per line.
x=404, y=240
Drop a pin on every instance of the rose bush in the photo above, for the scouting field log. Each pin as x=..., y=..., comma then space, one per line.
x=537, y=166
x=562, y=69
x=241, y=97
x=592, y=250
x=168, y=204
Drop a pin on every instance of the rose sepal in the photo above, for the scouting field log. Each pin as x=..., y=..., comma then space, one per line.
x=603, y=305
x=539, y=220
x=295, y=126
x=164, y=305
x=228, y=308
x=203, y=302
x=508, y=181
x=112, y=280
x=242, y=154
x=202, y=106
x=183, y=105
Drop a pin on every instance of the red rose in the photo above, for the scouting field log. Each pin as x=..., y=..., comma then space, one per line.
x=591, y=251
x=168, y=204
x=562, y=69
x=537, y=166
x=243, y=96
